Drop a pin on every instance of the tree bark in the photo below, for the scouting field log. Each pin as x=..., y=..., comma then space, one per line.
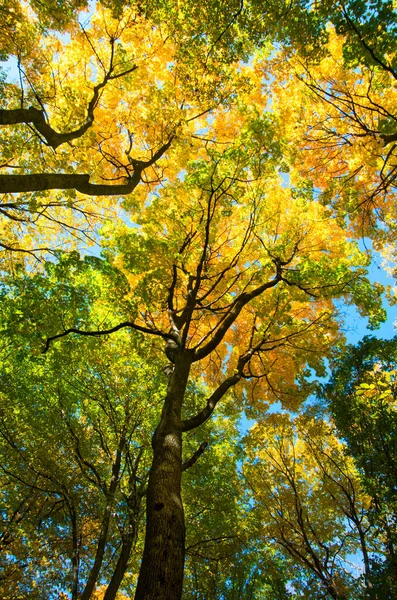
x=161, y=573
x=389, y=138
x=37, y=118
x=75, y=555
x=39, y=182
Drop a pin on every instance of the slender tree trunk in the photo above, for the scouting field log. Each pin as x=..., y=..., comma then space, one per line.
x=103, y=535
x=127, y=545
x=75, y=555
x=93, y=575
x=161, y=574
x=120, y=569
x=367, y=565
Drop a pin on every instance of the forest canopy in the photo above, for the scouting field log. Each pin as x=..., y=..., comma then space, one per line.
x=191, y=194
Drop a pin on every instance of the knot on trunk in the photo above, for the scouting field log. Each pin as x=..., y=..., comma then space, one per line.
x=168, y=369
x=171, y=350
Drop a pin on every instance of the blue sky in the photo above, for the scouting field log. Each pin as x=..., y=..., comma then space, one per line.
x=355, y=326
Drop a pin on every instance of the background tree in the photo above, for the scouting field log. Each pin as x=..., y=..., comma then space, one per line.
x=361, y=396
x=340, y=129
x=75, y=447
x=309, y=501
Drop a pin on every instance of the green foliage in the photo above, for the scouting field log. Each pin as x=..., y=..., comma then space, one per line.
x=369, y=28
x=63, y=296
x=66, y=416
x=361, y=394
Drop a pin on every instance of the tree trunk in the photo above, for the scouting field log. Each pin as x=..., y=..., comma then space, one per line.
x=121, y=567
x=75, y=554
x=103, y=535
x=161, y=574
x=134, y=506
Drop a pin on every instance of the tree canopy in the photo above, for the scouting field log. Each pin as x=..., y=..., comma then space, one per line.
x=188, y=193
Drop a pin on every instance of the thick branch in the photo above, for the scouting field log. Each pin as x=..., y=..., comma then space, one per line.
x=206, y=412
x=166, y=336
x=203, y=415
x=193, y=289
x=389, y=138
x=218, y=394
x=38, y=182
x=194, y=458
x=37, y=117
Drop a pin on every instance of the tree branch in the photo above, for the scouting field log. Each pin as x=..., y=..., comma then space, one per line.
x=204, y=415
x=35, y=182
x=194, y=458
x=388, y=138
x=166, y=336
x=365, y=45
x=38, y=182
x=37, y=117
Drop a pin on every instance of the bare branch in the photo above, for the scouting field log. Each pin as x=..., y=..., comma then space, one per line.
x=97, y=333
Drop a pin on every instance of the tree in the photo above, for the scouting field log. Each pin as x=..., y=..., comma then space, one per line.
x=214, y=279
x=309, y=501
x=74, y=456
x=361, y=396
x=88, y=430
x=91, y=117
x=340, y=130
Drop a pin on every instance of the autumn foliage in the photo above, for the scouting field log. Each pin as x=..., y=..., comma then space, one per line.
x=184, y=193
